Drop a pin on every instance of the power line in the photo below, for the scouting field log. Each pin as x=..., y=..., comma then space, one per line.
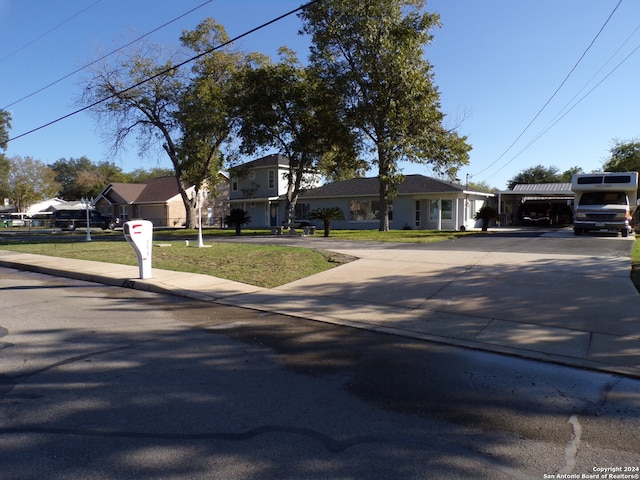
x=49, y=31
x=107, y=55
x=539, y=135
x=554, y=93
x=165, y=71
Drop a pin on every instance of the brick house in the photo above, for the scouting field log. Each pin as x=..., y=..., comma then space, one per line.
x=158, y=200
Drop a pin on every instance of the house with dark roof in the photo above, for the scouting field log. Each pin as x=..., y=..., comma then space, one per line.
x=421, y=203
x=158, y=200
x=260, y=187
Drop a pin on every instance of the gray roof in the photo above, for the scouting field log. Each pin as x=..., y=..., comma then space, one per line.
x=272, y=160
x=412, y=184
x=549, y=189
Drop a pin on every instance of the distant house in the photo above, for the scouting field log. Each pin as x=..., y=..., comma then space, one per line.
x=45, y=206
x=259, y=187
x=158, y=200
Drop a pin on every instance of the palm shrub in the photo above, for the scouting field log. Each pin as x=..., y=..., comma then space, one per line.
x=238, y=217
x=327, y=215
x=486, y=214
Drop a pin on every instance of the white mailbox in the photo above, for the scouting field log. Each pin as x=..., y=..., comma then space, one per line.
x=139, y=233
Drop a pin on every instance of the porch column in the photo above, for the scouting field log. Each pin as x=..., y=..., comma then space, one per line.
x=439, y=214
x=456, y=225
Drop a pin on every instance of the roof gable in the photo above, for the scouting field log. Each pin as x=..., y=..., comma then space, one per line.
x=123, y=192
x=155, y=190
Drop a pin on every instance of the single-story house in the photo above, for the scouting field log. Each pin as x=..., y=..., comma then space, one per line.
x=260, y=187
x=158, y=200
x=422, y=203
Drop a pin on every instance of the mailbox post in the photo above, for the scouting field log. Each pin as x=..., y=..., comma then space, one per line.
x=139, y=234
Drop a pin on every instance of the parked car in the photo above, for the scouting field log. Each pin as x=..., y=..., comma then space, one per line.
x=72, y=219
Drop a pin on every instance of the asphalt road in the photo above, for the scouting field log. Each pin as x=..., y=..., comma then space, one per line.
x=100, y=382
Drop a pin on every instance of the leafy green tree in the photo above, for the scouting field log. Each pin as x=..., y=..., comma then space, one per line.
x=183, y=111
x=5, y=164
x=327, y=215
x=5, y=168
x=79, y=177
x=371, y=54
x=140, y=175
x=566, y=176
x=281, y=106
x=537, y=174
x=5, y=126
x=237, y=217
x=625, y=157
x=67, y=172
x=481, y=187
x=30, y=181
x=205, y=114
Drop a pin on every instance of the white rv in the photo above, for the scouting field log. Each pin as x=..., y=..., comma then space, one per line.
x=604, y=201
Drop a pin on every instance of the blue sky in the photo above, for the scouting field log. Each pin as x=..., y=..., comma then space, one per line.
x=496, y=63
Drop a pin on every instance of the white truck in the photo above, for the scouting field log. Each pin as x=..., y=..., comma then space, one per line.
x=604, y=201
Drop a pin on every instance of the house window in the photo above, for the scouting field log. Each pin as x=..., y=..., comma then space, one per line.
x=434, y=211
x=471, y=210
x=124, y=214
x=234, y=185
x=272, y=179
x=302, y=211
x=447, y=209
x=417, y=219
x=365, y=210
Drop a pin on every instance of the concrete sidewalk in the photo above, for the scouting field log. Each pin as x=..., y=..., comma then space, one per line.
x=556, y=308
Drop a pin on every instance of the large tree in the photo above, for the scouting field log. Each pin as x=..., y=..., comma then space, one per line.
x=536, y=174
x=282, y=106
x=30, y=181
x=625, y=157
x=372, y=54
x=183, y=111
x=79, y=177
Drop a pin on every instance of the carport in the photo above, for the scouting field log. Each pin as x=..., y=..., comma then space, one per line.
x=536, y=204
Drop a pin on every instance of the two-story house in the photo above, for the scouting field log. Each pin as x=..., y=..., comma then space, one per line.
x=259, y=188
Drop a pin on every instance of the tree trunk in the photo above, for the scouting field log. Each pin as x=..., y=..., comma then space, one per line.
x=190, y=205
x=293, y=192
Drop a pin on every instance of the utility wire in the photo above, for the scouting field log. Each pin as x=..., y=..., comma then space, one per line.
x=561, y=113
x=107, y=55
x=165, y=71
x=554, y=93
x=49, y=31
x=539, y=135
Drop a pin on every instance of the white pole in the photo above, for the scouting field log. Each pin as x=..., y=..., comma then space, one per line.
x=87, y=203
x=200, y=242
